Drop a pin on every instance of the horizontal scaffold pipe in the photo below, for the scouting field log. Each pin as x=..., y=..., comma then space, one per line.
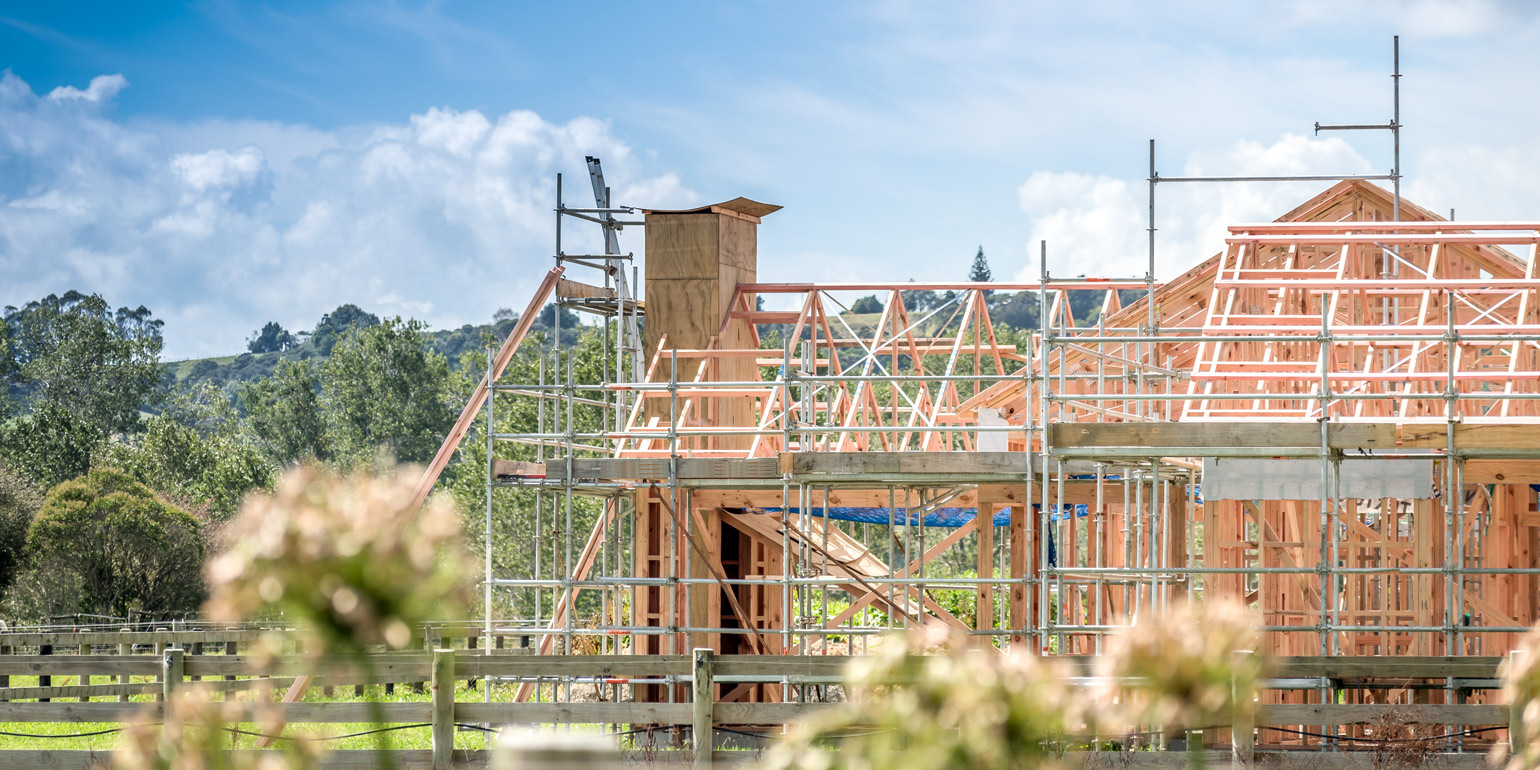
x=1081, y=284
x=1372, y=227
x=1386, y=239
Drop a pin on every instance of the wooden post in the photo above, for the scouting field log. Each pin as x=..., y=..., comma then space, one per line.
x=1516, y=737
x=44, y=680
x=5, y=679
x=984, y=598
x=470, y=644
x=231, y=648
x=171, y=667
x=124, y=649
x=172, y=664
x=85, y=679
x=703, y=693
x=427, y=644
x=196, y=648
x=443, y=709
x=1242, y=752
x=160, y=650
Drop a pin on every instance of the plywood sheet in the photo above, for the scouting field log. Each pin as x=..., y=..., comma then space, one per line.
x=1276, y=479
x=1221, y=434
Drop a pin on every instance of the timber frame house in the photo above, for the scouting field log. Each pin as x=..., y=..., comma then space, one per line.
x=1334, y=420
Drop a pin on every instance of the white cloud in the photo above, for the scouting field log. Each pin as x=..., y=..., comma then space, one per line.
x=1431, y=19
x=457, y=132
x=1085, y=220
x=218, y=168
x=1097, y=225
x=102, y=88
x=219, y=227
x=1478, y=182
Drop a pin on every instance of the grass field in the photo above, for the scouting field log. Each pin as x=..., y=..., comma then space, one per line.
x=13, y=735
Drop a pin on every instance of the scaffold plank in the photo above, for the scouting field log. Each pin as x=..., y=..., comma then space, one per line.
x=1472, y=436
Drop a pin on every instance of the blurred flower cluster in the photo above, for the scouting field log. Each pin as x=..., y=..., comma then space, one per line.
x=967, y=705
x=1182, y=666
x=1520, y=675
x=940, y=703
x=346, y=558
x=196, y=736
x=351, y=564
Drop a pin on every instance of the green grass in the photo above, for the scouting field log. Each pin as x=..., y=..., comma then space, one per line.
x=411, y=738
x=183, y=368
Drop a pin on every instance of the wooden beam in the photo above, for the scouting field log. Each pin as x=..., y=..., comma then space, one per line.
x=1471, y=436
x=479, y=396
x=1502, y=472
x=566, y=289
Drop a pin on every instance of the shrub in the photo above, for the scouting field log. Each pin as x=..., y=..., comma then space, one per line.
x=104, y=544
x=350, y=559
x=19, y=503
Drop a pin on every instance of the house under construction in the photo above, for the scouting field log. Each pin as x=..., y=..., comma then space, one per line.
x=1333, y=420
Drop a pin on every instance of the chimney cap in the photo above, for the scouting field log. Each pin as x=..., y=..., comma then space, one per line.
x=740, y=207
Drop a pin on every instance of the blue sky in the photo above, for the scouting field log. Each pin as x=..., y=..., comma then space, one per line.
x=227, y=164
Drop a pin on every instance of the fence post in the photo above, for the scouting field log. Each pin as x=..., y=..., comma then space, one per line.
x=124, y=649
x=161, y=648
x=85, y=679
x=443, y=709
x=171, y=667
x=703, y=693
x=470, y=644
x=231, y=648
x=44, y=680
x=427, y=644
x=1242, y=738
x=1516, y=737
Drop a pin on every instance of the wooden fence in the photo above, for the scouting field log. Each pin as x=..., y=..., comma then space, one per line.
x=445, y=668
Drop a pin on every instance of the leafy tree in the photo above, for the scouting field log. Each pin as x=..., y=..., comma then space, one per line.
x=284, y=413
x=1018, y=310
x=75, y=352
x=339, y=322
x=383, y=389
x=979, y=272
x=865, y=305
x=271, y=339
x=51, y=445
x=19, y=503
x=919, y=300
x=546, y=321
x=10, y=373
x=203, y=370
x=120, y=548
x=196, y=452
x=515, y=538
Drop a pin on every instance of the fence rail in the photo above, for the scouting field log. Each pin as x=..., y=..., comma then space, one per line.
x=445, y=669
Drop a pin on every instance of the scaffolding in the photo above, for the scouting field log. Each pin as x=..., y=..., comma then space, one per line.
x=1284, y=425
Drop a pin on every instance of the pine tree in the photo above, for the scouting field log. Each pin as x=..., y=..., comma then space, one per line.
x=980, y=273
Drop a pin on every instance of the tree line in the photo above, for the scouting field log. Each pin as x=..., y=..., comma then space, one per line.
x=117, y=479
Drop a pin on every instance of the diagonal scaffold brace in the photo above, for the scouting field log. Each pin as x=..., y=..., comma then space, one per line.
x=452, y=441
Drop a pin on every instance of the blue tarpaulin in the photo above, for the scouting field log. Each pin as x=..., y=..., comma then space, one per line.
x=938, y=517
